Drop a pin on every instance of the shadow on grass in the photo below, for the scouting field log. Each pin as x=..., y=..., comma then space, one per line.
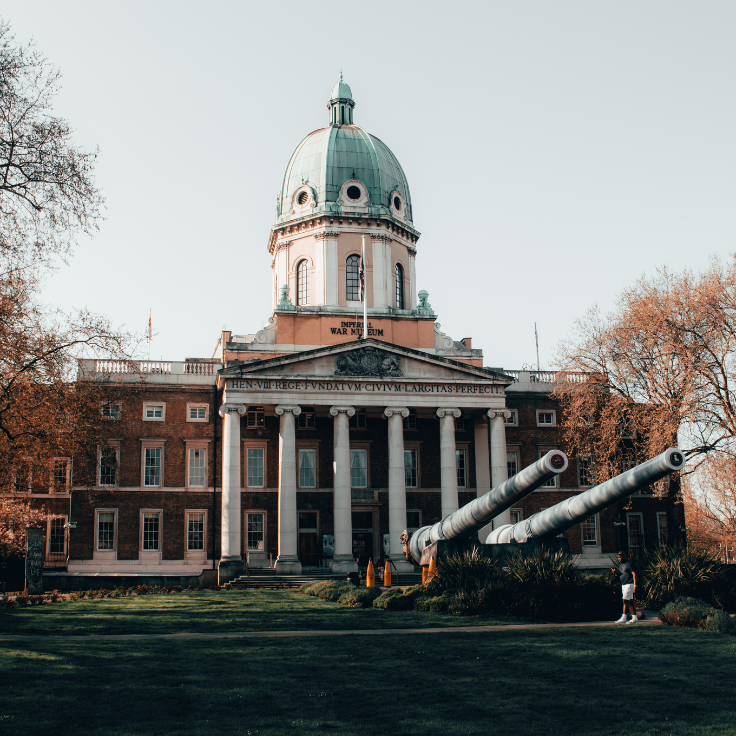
x=597, y=682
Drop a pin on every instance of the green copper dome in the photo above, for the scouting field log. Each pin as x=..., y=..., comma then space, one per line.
x=327, y=159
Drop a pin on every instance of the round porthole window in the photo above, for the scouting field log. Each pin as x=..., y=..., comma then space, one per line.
x=397, y=203
x=353, y=192
x=303, y=198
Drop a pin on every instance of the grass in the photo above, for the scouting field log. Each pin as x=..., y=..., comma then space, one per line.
x=592, y=682
x=215, y=611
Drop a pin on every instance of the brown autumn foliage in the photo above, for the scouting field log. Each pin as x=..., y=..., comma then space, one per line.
x=660, y=372
x=48, y=198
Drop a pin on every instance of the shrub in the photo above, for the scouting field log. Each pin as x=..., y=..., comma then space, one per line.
x=399, y=599
x=542, y=567
x=469, y=571
x=332, y=590
x=359, y=598
x=721, y=623
x=687, y=612
x=437, y=603
x=672, y=571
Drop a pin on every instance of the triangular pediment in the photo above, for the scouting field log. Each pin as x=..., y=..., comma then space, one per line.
x=364, y=359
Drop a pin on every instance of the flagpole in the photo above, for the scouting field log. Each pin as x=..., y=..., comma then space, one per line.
x=365, y=298
x=149, y=334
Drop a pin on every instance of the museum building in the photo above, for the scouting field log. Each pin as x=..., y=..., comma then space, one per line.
x=316, y=441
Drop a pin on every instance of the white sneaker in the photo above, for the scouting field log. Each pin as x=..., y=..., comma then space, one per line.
x=633, y=620
x=621, y=620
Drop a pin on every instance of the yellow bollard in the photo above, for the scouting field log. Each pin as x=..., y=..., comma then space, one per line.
x=424, y=576
x=370, y=575
x=387, y=575
x=432, y=569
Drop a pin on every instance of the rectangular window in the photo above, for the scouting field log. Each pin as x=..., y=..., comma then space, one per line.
x=196, y=467
x=516, y=515
x=24, y=477
x=589, y=531
x=461, y=468
x=627, y=462
x=308, y=521
x=255, y=539
x=111, y=409
x=552, y=482
x=56, y=536
x=410, y=422
x=410, y=468
x=60, y=472
x=197, y=412
x=585, y=471
x=255, y=467
x=512, y=462
x=362, y=520
x=307, y=419
x=195, y=531
x=108, y=466
x=256, y=418
x=151, y=528
x=154, y=412
x=307, y=468
x=635, y=528
x=152, y=475
x=106, y=530
x=459, y=424
x=358, y=420
x=662, y=528
x=413, y=520
x=513, y=420
x=546, y=418
x=359, y=468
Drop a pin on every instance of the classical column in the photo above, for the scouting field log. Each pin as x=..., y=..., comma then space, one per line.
x=482, y=466
x=231, y=559
x=396, y=485
x=343, y=560
x=448, y=463
x=287, y=561
x=499, y=460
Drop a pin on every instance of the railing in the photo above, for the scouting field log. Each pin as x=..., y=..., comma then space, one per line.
x=200, y=369
x=133, y=368
x=546, y=376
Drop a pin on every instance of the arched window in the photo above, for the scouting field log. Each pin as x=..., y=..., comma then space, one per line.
x=302, y=283
x=399, y=278
x=352, y=278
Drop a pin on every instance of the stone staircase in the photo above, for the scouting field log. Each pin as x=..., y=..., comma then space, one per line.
x=267, y=579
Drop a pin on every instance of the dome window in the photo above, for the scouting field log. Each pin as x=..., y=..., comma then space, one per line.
x=303, y=198
x=354, y=192
x=397, y=203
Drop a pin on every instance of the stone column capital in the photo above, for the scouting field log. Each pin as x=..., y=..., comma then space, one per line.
x=389, y=411
x=448, y=411
x=492, y=413
x=291, y=408
x=232, y=409
x=335, y=410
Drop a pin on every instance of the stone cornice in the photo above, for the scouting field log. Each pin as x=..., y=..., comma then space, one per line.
x=326, y=234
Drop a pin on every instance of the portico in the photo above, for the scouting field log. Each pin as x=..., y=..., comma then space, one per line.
x=378, y=380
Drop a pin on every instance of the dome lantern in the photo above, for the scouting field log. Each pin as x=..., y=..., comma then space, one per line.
x=341, y=104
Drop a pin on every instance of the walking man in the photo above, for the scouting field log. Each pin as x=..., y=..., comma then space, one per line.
x=627, y=574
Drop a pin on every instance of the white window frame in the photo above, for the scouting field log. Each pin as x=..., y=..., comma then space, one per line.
x=109, y=444
x=662, y=514
x=411, y=447
x=408, y=421
x=52, y=475
x=597, y=523
x=105, y=554
x=412, y=529
x=195, y=555
x=109, y=417
x=553, y=412
x=264, y=513
x=195, y=445
x=206, y=408
x=48, y=534
x=465, y=453
x=589, y=459
x=552, y=482
x=513, y=420
x=300, y=449
x=366, y=450
x=150, y=554
x=513, y=450
x=152, y=444
x=516, y=515
x=249, y=444
x=154, y=404
x=629, y=516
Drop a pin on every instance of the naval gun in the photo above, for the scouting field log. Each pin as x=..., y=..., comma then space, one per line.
x=455, y=533
x=459, y=527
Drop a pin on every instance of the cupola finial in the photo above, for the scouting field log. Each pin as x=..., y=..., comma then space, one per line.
x=341, y=104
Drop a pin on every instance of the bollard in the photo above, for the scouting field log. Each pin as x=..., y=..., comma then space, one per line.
x=370, y=575
x=387, y=575
x=424, y=575
x=432, y=571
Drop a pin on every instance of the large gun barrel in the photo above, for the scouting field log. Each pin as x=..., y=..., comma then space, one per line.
x=566, y=514
x=464, y=522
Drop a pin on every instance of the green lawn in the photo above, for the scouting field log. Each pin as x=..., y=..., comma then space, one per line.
x=589, y=681
x=215, y=611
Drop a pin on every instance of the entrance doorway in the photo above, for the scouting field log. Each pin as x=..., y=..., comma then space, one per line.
x=310, y=549
x=363, y=536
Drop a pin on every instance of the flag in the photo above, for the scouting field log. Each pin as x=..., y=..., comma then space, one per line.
x=361, y=277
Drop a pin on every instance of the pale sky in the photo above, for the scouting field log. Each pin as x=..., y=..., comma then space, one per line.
x=555, y=151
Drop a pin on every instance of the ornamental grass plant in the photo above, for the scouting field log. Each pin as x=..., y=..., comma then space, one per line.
x=542, y=567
